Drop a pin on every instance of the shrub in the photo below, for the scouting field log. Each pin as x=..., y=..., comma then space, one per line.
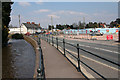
x=17, y=36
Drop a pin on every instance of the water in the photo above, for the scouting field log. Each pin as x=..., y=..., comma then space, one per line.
x=18, y=60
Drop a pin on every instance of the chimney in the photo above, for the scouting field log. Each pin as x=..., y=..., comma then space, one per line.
x=33, y=22
x=28, y=22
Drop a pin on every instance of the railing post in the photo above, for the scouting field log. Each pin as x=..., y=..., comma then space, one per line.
x=78, y=58
x=57, y=42
x=49, y=38
x=39, y=42
x=39, y=74
x=46, y=37
x=64, y=46
x=39, y=70
x=52, y=40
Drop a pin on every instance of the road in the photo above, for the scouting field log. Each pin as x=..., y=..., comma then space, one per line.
x=109, y=52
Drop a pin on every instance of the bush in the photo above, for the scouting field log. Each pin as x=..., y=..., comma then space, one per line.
x=17, y=36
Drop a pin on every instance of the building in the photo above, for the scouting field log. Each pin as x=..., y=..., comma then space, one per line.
x=26, y=27
x=30, y=27
x=13, y=30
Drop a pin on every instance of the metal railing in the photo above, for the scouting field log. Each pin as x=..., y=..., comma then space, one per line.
x=41, y=69
x=79, y=61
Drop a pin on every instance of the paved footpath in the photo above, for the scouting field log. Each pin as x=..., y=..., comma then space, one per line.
x=56, y=65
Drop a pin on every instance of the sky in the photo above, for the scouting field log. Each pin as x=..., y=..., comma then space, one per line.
x=63, y=12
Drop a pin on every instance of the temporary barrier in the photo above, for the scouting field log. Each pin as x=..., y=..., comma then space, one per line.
x=117, y=30
x=109, y=37
x=98, y=30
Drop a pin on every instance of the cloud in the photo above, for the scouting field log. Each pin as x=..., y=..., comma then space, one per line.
x=54, y=16
x=39, y=2
x=76, y=13
x=24, y=3
x=70, y=13
x=41, y=11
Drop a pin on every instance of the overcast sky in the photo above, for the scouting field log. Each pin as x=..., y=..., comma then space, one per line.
x=63, y=12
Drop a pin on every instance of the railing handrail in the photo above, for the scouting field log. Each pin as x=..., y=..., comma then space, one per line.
x=71, y=44
x=99, y=56
x=40, y=70
x=71, y=54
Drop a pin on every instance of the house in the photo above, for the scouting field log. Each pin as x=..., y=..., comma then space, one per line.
x=30, y=27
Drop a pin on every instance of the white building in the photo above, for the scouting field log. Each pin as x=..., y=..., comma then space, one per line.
x=14, y=30
x=30, y=27
x=26, y=27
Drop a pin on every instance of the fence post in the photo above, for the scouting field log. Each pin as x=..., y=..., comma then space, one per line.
x=57, y=42
x=64, y=46
x=78, y=58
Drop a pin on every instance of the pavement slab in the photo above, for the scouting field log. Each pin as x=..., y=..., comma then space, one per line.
x=56, y=65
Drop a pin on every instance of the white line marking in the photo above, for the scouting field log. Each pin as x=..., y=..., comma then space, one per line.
x=37, y=48
x=100, y=49
x=95, y=48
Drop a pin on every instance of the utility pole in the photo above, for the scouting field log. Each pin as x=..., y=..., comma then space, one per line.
x=84, y=22
x=119, y=17
x=52, y=24
x=19, y=23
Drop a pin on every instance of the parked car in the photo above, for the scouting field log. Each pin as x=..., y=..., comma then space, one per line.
x=95, y=33
x=28, y=34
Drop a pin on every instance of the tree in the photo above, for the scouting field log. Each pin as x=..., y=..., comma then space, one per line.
x=95, y=25
x=50, y=27
x=75, y=26
x=87, y=26
x=80, y=25
x=71, y=26
x=113, y=24
x=61, y=27
x=118, y=20
x=6, y=9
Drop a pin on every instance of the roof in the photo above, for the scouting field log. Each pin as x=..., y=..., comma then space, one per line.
x=31, y=26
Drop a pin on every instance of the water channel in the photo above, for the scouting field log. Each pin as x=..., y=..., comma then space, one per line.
x=18, y=60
